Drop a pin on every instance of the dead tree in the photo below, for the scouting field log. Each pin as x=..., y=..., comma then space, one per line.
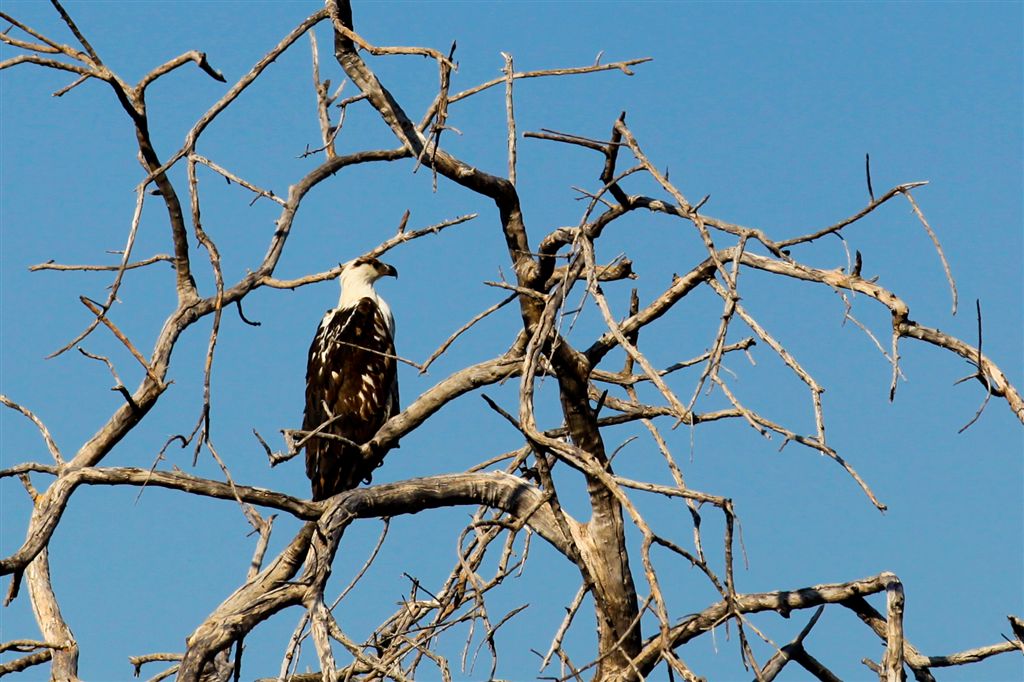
x=517, y=494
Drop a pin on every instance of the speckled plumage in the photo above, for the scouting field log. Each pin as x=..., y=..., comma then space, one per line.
x=351, y=380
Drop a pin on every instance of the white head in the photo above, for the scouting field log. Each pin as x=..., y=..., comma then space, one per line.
x=357, y=279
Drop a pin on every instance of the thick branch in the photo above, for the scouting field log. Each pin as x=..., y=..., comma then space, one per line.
x=499, y=189
x=54, y=628
x=783, y=601
x=272, y=591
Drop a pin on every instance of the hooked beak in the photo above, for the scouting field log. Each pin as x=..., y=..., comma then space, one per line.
x=390, y=270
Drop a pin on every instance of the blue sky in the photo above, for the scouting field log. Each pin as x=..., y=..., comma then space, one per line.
x=769, y=108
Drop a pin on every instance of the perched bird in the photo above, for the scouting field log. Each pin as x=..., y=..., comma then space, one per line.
x=351, y=379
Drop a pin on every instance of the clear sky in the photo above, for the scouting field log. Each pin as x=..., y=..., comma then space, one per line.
x=769, y=108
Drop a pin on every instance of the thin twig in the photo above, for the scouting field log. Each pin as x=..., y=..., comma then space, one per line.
x=51, y=445
x=938, y=246
x=50, y=265
x=451, y=339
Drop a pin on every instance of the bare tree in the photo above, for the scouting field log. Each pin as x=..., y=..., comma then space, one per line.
x=516, y=494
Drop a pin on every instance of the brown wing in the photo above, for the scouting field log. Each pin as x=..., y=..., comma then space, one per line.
x=351, y=382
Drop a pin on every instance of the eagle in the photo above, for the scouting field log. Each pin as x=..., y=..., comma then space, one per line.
x=351, y=380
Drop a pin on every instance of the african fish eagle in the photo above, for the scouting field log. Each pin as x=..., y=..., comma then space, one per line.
x=351, y=379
